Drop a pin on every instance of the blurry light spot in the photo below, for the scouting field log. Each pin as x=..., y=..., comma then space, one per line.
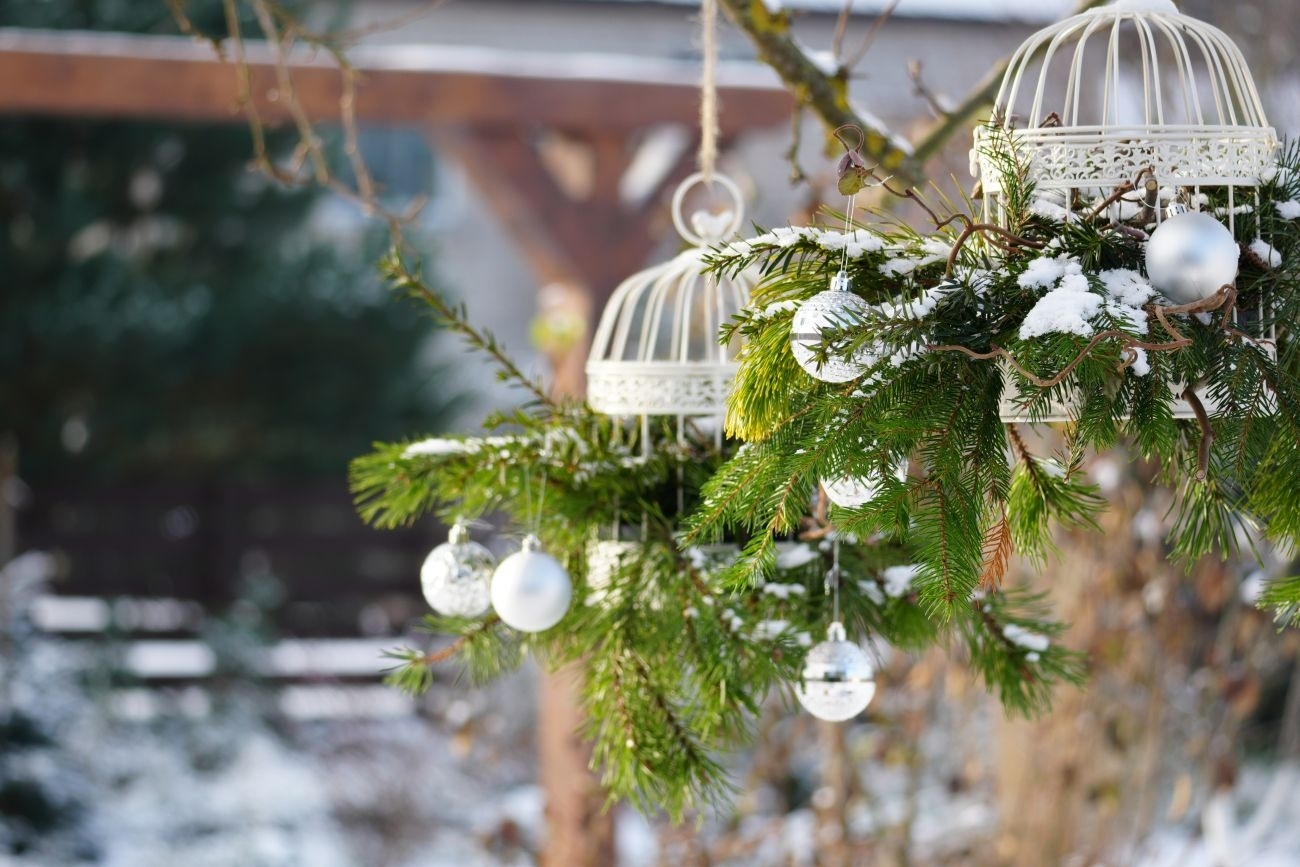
x=180, y=522
x=75, y=434
x=145, y=189
x=169, y=153
x=92, y=240
x=374, y=620
x=458, y=713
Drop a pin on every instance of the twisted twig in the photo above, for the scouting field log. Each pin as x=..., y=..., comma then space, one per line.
x=1224, y=297
x=1207, y=432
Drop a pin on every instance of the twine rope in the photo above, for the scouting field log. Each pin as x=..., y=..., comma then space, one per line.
x=708, y=156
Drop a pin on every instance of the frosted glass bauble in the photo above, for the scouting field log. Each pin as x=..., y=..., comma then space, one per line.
x=834, y=309
x=838, y=679
x=455, y=576
x=850, y=492
x=530, y=589
x=1190, y=256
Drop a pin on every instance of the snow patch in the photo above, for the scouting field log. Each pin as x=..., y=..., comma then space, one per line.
x=1267, y=253
x=1045, y=272
x=1064, y=310
x=1288, y=210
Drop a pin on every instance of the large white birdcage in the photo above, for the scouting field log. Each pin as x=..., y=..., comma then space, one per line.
x=1131, y=93
x=1092, y=101
x=656, y=350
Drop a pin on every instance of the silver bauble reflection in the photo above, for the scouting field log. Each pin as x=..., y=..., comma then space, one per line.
x=455, y=575
x=838, y=678
x=835, y=308
x=1190, y=256
x=530, y=589
x=851, y=492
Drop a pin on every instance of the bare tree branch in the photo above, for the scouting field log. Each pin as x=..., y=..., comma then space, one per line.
x=826, y=93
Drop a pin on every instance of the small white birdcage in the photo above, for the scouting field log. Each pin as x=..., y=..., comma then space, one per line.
x=1090, y=102
x=657, y=350
x=1129, y=93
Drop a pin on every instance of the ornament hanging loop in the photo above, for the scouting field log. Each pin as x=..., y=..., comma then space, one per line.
x=704, y=228
x=852, y=150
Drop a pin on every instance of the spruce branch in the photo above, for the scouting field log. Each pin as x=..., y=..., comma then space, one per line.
x=1282, y=596
x=397, y=272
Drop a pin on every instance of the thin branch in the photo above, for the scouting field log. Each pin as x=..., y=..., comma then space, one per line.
x=841, y=28
x=482, y=341
x=1225, y=296
x=1207, y=432
x=922, y=90
x=825, y=94
x=870, y=38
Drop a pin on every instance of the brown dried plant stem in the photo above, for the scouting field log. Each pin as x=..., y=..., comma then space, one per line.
x=1225, y=296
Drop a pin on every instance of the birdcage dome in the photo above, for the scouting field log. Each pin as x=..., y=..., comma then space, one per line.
x=1091, y=101
x=656, y=350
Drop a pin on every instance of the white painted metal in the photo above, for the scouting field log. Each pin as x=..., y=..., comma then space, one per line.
x=656, y=350
x=1088, y=103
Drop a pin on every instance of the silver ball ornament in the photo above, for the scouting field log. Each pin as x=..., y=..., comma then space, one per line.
x=455, y=575
x=530, y=589
x=838, y=679
x=851, y=492
x=835, y=308
x=1190, y=256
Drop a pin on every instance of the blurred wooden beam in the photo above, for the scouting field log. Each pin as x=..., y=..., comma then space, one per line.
x=121, y=75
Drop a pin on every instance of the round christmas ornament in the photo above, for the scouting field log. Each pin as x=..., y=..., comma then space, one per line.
x=530, y=589
x=455, y=575
x=835, y=308
x=851, y=492
x=838, y=678
x=1191, y=256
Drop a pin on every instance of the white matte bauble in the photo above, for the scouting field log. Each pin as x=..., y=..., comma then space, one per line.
x=1190, y=256
x=833, y=309
x=838, y=678
x=455, y=575
x=851, y=492
x=530, y=589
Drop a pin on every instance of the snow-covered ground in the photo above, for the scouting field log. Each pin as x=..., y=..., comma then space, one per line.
x=453, y=786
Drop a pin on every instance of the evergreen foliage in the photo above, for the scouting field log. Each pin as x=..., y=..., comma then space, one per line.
x=681, y=640
x=678, y=646
x=172, y=304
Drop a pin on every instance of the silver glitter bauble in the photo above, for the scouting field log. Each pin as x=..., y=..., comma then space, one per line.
x=530, y=589
x=836, y=308
x=455, y=575
x=1190, y=256
x=838, y=678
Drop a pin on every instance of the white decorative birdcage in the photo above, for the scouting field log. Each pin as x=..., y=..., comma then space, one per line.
x=1129, y=93
x=657, y=350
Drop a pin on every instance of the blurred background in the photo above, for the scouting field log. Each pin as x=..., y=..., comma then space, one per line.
x=192, y=613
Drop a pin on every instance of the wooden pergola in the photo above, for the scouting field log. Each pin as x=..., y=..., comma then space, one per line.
x=487, y=110
x=484, y=108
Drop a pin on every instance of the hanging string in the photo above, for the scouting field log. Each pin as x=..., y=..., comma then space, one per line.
x=541, y=502
x=708, y=156
x=848, y=228
x=834, y=578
